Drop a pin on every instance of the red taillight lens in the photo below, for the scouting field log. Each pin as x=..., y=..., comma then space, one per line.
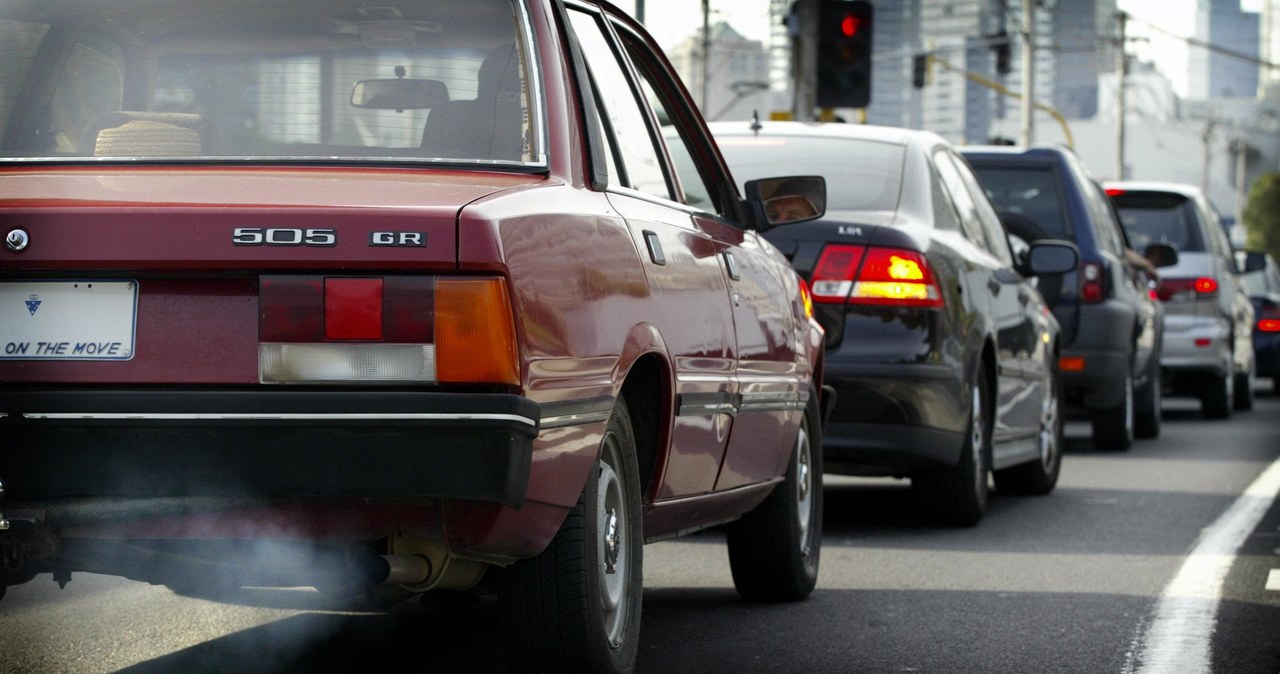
x=1181, y=289
x=1092, y=288
x=834, y=273
x=1114, y=191
x=291, y=309
x=896, y=277
x=353, y=308
x=1269, y=320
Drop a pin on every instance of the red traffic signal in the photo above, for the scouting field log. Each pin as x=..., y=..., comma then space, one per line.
x=844, y=53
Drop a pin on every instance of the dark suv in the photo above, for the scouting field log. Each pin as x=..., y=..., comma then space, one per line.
x=1111, y=325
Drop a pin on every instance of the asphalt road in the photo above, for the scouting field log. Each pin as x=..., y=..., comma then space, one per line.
x=1069, y=582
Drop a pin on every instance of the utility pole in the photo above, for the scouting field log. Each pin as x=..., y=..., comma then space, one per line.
x=640, y=11
x=706, y=54
x=1122, y=69
x=804, y=58
x=1028, y=74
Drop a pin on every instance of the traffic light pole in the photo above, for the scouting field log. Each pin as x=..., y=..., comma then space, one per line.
x=805, y=61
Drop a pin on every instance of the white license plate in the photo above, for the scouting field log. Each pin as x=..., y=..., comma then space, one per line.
x=68, y=320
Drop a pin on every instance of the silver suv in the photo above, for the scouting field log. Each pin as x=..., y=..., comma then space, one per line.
x=1208, y=347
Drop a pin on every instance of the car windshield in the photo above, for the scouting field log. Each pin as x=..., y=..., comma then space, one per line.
x=1159, y=217
x=861, y=175
x=1034, y=193
x=333, y=79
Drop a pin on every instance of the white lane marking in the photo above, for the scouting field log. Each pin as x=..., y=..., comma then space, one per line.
x=1179, y=639
x=1273, y=580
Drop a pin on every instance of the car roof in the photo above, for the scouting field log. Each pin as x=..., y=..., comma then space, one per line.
x=884, y=134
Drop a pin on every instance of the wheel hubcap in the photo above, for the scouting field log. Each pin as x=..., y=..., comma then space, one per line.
x=804, y=489
x=612, y=544
x=977, y=441
x=1049, y=428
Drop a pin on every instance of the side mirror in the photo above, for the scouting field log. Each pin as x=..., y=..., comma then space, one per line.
x=1161, y=254
x=399, y=94
x=1251, y=261
x=788, y=200
x=1052, y=257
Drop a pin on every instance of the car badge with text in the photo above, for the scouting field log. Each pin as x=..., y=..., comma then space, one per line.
x=17, y=240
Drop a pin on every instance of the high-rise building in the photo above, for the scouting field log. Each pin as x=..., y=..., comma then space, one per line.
x=1083, y=33
x=1213, y=73
x=736, y=73
x=1269, y=78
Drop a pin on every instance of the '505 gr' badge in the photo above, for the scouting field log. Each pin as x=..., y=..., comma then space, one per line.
x=283, y=236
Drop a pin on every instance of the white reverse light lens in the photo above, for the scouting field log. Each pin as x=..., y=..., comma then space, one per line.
x=345, y=363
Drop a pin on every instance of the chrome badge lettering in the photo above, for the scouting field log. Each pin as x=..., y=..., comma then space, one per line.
x=283, y=236
x=398, y=239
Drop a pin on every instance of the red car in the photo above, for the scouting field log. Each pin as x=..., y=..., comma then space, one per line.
x=391, y=299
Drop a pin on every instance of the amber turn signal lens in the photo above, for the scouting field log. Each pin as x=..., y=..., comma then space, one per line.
x=475, y=333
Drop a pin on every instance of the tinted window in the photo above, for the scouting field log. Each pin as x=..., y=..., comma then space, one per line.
x=1032, y=192
x=861, y=175
x=1160, y=217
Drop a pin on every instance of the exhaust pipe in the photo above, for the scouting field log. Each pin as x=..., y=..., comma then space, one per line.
x=397, y=569
x=418, y=565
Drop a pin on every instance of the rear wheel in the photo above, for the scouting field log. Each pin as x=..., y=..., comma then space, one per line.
x=1245, y=383
x=774, y=549
x=957, y=496
x=1218, y=394
x=1147, y=404
x=576, y=606
x=1113, y=426
x=1039, y=477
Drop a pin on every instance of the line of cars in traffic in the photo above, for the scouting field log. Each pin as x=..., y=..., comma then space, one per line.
x=974, y=297
x=462, y=295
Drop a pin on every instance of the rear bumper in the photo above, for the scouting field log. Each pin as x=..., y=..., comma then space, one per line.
x=264, y=445
x=890, y=417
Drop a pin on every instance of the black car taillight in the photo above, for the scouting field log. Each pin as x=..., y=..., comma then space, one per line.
x=1092, y=283
x=875, y=276
x=1269, y=320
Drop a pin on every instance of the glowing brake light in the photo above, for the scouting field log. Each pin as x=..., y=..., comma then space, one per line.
x=877, y=276
x=1114, y=191
x=1269, y=325
x=1182, y=289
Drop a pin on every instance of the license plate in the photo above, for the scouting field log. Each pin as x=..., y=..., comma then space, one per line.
x=68, y=320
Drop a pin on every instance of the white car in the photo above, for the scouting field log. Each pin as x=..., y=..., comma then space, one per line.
x=1208, y=343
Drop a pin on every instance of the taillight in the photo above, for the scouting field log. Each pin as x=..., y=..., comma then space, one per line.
x=1184, y=289
x=1092, y=283
x=317, y=330
x=806, y=298
x=877, y=276
x=1269, y=321
x=835, y=272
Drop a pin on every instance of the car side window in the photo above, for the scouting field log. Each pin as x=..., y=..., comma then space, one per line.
x=966, y=206
x=696, y=191
x=1107, y=227
x=944, y=212
x=640, y=166
x=997, y=238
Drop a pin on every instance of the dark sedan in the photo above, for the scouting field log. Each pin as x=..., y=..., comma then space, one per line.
x=941, y=350
x=1261, y=279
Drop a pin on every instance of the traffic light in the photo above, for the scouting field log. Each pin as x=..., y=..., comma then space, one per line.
x=919, y=70
x=844, y=53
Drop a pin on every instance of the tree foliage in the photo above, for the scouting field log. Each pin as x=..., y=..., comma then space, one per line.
x=1262, y=215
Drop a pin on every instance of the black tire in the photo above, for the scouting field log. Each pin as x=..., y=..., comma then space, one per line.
x=1036, y=478
x=957, y=496
x=1217, y=396
x=1113, y=427
x=1245, y=383
x=774, y=550
x=576, y=606
x=1148, y=402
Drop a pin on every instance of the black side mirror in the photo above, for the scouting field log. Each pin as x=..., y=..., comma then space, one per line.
x=1252, y=260
x=784, y=201
x=1052, y=257
x=1161, y=254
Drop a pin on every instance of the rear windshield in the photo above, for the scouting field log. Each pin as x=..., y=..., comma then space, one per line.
x=1160, y=217
x=861, y=175
x=1032, y=192
x=322, y=79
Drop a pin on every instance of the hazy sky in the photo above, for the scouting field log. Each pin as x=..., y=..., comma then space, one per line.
x=670, y=21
